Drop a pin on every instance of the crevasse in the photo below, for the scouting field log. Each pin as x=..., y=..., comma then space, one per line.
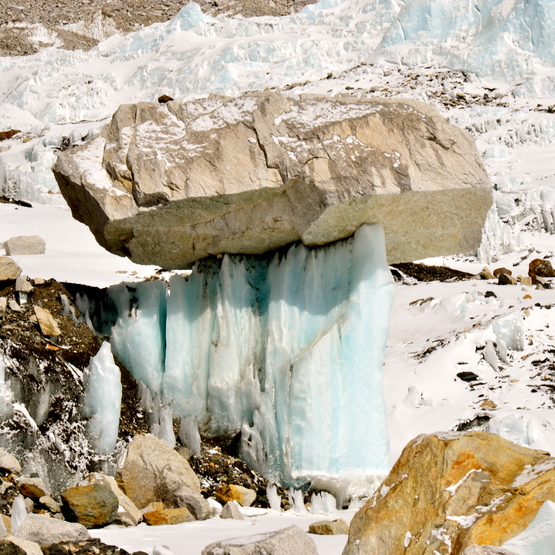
x=285, y=349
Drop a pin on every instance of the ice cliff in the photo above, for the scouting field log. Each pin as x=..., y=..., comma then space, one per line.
x=285, y=349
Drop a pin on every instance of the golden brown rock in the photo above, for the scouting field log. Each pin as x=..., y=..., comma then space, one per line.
x=244, y=496
x=450, y=491
x=92, y=506
x=168, y=516
x=329, y=527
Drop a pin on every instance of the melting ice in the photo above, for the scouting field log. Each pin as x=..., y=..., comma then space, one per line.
x=285, y=349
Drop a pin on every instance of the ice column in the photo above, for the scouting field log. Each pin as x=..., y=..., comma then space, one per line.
x=103, y=400
x=288, y=349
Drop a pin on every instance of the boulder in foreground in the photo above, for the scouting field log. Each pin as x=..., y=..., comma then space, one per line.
x=289, y=541
x=451, y=491
x=172, y=183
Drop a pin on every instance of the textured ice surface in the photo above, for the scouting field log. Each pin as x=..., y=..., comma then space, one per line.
x=539, y=537
x=286, y=349
x=103, y=400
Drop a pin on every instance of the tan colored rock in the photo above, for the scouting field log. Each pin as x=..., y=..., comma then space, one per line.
x=232, y=511
x=257, y=172
x=48, y=326
x=168, y=516
x=153, y=471
x=289, y=541
x=18, y=546
x=9, y=269
x=230, y=492
x=9, y=462
x=329, y=527
x=486, y=273
x=25, y=244
x=92, y=506
x=7, y=523
x=450, y=491
x=128, y=513
x=45, y=530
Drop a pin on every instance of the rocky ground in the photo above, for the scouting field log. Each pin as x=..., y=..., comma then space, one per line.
x=29, y=25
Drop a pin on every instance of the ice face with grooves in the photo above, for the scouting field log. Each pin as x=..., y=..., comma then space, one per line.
x=286, y=348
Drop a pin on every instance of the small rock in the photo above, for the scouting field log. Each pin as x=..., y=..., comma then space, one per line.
x=9, y=463
x=498, y=271
x=23, y=285
x=92, y=506
x=486, y=273
x=490, y=294
x=9, y=269
x=329, y=527
x=39, y=281
x=525, y=280
x=168, y=516
x=4, y=135
x=18, y=546
x=48, y=325
x=540, y=267
x=29, y=504
x=13, y=305
x=164, y=98
x=289, y=541
x=231, y=510
x=468, y=376
x=25, y=244
x=230, y=492
x=32, y=487
x=506, y=279
x=3, y=306
x=50, y=504
x=487, y=404
x=7, y=522
x=46, y=530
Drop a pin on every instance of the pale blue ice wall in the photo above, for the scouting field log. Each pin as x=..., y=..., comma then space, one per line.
x=287, y=348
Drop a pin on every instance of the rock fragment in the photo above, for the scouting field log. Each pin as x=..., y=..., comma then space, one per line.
x=329, y=527
x=45, y=530
x=289, y=541
x=230, y=492
x=48, y=326
x=231, y=510
x=9, y=463
x=25, y=244
x=9, y=269
x=92, y=506
x=159, y=517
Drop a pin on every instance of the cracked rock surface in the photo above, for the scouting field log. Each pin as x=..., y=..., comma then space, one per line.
x=170, y=184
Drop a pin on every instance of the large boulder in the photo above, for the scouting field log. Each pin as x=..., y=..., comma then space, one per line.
x=154, y=472
x=451, y=491
x=25, y=244
x=172, y=183
x=9, y=269
x=92, y=506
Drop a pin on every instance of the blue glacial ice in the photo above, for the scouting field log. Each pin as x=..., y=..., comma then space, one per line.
x=286, y=349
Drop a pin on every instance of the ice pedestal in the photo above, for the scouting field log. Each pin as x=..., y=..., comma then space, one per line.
x=286, y=349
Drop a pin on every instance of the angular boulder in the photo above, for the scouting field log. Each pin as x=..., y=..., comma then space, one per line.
x=18, y=546
x=45, y=530
x=159, y=517
x=153, y=471
x=230, y=492
x=25, y=244
x=9, y=269
x=329, y=527
x=172, y=183
x=92, y=506
x=451, y=491
x=289, y=541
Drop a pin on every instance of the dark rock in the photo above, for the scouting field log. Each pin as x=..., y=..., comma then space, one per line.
x=490, y=294
x=506, y=279
x=468, y=376
x=498, y=271
x=540, y=268
x=164, y=98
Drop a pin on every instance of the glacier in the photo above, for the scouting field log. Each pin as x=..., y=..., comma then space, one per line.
x=285, y=349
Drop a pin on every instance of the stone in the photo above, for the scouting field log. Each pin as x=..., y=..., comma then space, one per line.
x=25, y=244
x=540, y=267
x=13, y=305
x=499, y=271
x=477, y=489
x=506, y=279
x=525, y=280
x=9, y=269
x=18, y=546
x=168, y=516
x=45, y=530
x=92, y=506
x=7, y=521
x=230, y=492
x=8, y=463
x=486, y=273
x=50, y=504
x=486, y=550
x=32, y=487
x=23, y=285
x=48, y=326
x=128, y=513
x=289, y=541
x=4, y=135
x=3, y=306
x=231, y=510
x=153, y=471
x=329, y=527
x=257, y=172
